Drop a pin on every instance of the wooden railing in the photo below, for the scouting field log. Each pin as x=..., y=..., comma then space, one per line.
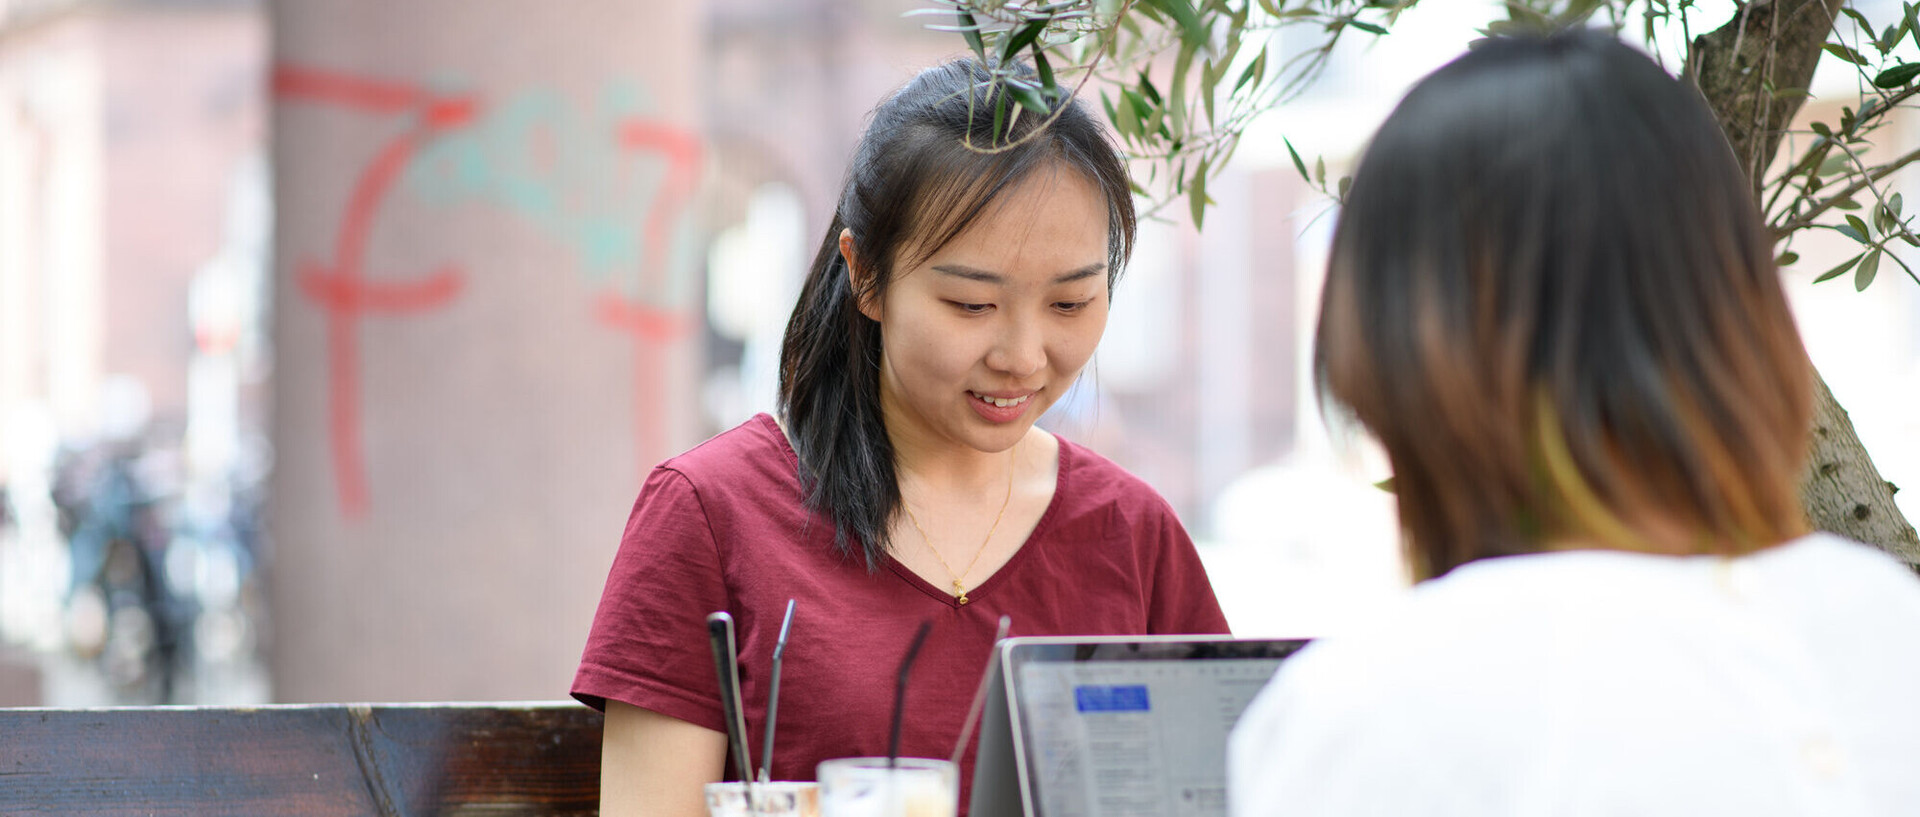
x=391, y=760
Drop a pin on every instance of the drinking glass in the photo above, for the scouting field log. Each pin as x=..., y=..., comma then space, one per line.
x=867, y=787
x=781, y=798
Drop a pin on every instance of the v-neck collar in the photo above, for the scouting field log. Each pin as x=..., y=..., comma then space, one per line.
x=1063, y=471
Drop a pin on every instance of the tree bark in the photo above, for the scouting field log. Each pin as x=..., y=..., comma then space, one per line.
x=1842, y=491
x=1777, y=44
x=1766, y=44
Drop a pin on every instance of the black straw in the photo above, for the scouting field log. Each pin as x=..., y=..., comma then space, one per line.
x=726, y=666
x=900, y=692
x=773, y=693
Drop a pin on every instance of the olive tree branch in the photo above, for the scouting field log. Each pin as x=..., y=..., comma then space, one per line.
x=1865, y=181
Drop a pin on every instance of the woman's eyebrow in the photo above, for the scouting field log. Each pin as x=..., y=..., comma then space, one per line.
x=985, y=276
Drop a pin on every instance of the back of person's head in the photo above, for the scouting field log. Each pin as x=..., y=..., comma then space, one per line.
x=1552, y=299
x=935, y=157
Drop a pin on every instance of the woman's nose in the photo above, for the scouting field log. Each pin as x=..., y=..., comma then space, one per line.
x=1020, y=350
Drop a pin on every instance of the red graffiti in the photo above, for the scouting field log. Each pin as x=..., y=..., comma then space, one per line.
x=341, y=289
x=339, y=286
x=653, y=327
x=682, y=151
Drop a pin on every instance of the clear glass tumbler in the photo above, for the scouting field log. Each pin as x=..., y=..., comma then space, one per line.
x=775, y=799
x=867, y=787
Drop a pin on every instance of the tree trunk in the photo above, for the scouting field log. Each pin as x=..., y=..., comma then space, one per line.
x=1841, y=490
x=1777, y=44
x=1766, y=44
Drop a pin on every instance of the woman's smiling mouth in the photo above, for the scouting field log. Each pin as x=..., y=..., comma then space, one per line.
x=1001, y=402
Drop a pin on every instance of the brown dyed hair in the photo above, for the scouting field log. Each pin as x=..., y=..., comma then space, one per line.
x=1553, y=301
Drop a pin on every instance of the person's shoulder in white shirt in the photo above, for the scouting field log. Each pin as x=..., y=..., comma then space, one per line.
x=1597, y=682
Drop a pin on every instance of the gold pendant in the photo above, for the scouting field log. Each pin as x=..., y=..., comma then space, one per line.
x=960, y=590
x=963, y=599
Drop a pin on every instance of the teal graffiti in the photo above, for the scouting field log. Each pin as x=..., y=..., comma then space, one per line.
x=561, y=167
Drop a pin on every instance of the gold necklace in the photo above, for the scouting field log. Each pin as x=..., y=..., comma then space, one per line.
x=959, y=581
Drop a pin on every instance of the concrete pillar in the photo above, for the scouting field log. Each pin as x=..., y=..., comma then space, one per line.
x=486, y=325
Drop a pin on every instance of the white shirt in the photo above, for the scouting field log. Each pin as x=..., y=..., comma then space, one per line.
x=1606, y=683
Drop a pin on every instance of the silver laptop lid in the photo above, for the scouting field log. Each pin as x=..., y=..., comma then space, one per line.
x=1114, y=726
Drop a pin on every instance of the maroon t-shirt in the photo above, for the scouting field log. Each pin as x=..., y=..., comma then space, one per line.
x=724, y=527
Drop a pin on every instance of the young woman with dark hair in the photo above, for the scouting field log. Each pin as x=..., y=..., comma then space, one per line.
x=955, y=296
x=1552, y=300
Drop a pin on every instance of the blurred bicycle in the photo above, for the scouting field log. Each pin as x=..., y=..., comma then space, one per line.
x=120, y=612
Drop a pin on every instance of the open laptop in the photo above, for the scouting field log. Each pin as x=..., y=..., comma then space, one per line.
x=1115, y=726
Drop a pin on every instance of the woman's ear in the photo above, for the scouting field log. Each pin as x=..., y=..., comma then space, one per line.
x=858, y=277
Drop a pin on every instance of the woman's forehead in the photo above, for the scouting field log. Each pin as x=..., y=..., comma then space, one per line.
x=1052, y=213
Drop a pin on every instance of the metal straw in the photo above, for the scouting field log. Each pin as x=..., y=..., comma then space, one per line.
x=773, y=694
x=980, y=694
x=900, y=692
x=726, y=665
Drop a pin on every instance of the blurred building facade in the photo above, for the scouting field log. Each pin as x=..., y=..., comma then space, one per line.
x=124, y=131
x=133, y=239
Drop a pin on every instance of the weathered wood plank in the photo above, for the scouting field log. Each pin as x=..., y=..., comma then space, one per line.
x=403, y=759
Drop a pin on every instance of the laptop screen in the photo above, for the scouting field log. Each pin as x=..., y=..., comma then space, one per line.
x=1116, y=726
